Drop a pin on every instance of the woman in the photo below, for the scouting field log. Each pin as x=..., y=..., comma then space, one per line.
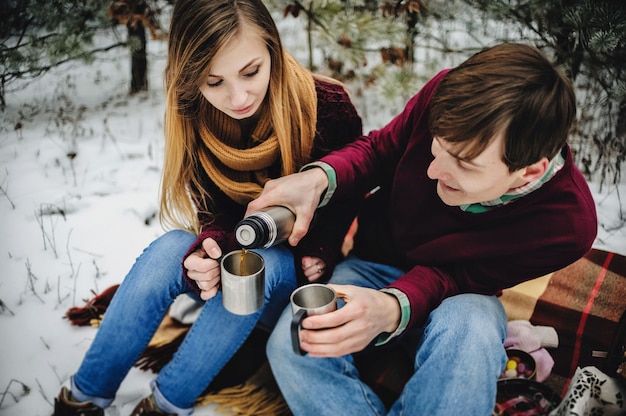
x=240, y=111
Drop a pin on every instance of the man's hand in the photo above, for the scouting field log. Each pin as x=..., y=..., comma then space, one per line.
x=203, y=266
x=366, y=314
x=300, y=192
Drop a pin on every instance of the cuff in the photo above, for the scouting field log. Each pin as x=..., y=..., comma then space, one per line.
x=405, y=315
x=332, y=180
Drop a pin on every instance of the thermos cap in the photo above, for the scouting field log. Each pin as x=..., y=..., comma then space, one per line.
x=247, y=235
x=265, y=227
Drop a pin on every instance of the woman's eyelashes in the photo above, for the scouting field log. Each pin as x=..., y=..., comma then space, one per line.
x=251, y=74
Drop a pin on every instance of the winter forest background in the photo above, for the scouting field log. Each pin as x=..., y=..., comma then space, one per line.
x=81, y=141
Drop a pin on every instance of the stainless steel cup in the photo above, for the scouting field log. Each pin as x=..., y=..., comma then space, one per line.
x=311, y=299
x=243, y=282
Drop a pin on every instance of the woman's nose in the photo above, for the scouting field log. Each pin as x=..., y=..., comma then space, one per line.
x=238, y=96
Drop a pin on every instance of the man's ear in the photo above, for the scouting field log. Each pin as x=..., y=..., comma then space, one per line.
x=536, y=170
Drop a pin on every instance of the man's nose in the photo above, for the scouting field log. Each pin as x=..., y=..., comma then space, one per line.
x=437, y=169
x=433, y=169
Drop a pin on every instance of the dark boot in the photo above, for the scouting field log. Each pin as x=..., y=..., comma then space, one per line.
x=66, y=405
x=148, y=407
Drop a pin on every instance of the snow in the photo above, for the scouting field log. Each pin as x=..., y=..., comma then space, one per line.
x=79, y=190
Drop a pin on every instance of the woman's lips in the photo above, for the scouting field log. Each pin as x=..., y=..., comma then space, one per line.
x=243, y=110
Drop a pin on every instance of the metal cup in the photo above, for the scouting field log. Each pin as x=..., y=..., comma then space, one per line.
x=243, y=282
x=311, y=299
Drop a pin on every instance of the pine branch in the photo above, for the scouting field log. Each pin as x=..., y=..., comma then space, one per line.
x=40, y=70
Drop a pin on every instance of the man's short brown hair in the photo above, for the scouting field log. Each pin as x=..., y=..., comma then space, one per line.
x=511, y=88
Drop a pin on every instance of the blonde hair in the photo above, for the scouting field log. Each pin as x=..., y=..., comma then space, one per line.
x=199, y=29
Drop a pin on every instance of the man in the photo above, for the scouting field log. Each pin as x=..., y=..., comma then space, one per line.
x=477, y=192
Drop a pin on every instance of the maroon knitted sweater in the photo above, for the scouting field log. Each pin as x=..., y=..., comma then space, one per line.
x=338, y=123
x=444, y=250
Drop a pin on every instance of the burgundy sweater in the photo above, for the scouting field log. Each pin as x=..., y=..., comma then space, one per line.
x=444, y=250
x=338, y=123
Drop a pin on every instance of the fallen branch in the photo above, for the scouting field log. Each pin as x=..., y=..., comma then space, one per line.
x=6, y=195
x=25, y=391
x=4, y=307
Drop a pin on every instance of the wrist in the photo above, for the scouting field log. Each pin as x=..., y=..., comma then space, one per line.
x=403, y=310
x=324, y=179
x=394, y=313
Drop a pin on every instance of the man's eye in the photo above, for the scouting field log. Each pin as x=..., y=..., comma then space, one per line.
x=462, y=164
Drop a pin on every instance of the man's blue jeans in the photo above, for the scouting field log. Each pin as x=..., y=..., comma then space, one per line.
x=140, y=305
x=457, y=360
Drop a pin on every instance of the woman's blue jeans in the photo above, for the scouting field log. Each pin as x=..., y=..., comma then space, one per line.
x=457, y=360
x=140, y=305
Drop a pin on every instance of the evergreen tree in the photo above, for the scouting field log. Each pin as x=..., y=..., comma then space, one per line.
x=588, y=39
x=363, y=41
x=38, y=35
x=137, y=16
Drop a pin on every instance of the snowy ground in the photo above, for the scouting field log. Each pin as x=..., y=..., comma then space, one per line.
x=78, y=201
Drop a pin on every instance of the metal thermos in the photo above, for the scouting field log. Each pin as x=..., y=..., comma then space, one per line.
x=265, y=228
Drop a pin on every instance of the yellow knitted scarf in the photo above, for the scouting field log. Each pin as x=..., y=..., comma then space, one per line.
x=239, y=164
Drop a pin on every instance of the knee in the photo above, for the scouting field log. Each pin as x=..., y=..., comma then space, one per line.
x=470, y=317
x=167, y=249
x=159, y=266
x=173, y=239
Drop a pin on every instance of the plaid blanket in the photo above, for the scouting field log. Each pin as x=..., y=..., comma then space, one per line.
x=584, y=302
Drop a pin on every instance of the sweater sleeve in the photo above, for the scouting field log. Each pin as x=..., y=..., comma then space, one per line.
x=370, y=161
x=526, y=239
x=426, y=287
x=218, y=226
x=338, y=124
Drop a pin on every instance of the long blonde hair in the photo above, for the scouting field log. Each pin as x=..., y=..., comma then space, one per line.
x=199, y=29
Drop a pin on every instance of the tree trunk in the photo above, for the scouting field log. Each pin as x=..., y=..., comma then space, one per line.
x=139, y=60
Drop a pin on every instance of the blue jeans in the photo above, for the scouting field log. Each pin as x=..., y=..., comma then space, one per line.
x=457, y=361
x=140, y=305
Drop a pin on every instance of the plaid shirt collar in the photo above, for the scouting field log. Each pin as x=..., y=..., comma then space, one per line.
x=555, y=165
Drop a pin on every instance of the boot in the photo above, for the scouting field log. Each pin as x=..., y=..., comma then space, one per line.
x=148, y=407
x=66, y=405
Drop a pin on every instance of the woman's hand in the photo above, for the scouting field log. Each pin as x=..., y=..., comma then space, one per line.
x=203, y=266
x=313, y=268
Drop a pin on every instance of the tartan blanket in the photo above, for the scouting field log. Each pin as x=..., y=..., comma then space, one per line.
x=584, y=302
